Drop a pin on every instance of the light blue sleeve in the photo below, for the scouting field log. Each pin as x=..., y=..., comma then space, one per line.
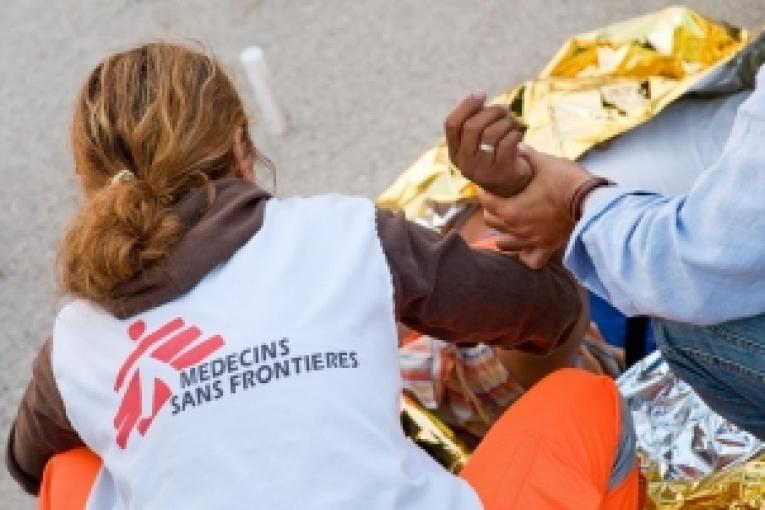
x=697, y=258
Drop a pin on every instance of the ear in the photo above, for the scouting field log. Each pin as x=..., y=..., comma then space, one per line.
x=244, y=156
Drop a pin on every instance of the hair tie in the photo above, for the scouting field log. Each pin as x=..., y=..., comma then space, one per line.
x=123, y=175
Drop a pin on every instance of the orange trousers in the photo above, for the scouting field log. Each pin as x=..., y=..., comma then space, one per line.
x=554, y=449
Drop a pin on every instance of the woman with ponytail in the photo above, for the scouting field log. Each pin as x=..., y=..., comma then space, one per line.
x=222, y=348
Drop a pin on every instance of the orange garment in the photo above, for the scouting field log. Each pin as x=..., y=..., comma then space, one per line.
x=554, y=449
x=68, y=479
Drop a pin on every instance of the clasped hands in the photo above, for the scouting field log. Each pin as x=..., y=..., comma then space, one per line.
x=526, y=195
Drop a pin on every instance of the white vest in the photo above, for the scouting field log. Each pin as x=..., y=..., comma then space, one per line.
x=273, y=384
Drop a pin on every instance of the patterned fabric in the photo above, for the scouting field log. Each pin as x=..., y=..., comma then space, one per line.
x=469, y=386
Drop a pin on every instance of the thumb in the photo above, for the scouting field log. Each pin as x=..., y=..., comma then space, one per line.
x=534, y=160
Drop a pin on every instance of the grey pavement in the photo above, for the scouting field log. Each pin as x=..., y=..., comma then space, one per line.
x=366, y=84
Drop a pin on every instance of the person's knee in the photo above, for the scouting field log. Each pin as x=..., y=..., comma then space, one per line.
x=580, y=416
x=578, y=388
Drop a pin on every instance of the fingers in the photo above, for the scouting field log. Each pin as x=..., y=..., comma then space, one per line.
x=488, y=201
x=493, y=221
x=519, y=171
x=497, y=131
x=502, y=171
x=505, y=241
x=455, y=120
x=524, y=173
x=496, y=206
x=507, y=148
x=474, y=126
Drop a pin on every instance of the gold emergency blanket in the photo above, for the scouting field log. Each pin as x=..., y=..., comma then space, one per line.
x=433, y=435
x=599, y=85
x=738, y=488
x=692, y=458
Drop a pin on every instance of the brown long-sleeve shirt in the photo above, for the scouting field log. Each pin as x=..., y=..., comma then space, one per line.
x=442, y=287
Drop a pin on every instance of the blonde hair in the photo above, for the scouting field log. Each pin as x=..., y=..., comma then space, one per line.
x=170, y=116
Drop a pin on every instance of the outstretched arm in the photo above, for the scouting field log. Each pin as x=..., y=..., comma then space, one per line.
x=446, y=289
x=697, y=258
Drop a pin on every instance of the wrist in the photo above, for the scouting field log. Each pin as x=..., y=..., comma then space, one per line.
x=583, y=190
x=577, y=177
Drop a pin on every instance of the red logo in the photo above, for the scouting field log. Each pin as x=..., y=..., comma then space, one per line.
x=167, y=350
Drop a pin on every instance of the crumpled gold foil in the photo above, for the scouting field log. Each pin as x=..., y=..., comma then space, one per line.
x=599, y=85
x=736, y=488
x=432, y=435
x=692, y=458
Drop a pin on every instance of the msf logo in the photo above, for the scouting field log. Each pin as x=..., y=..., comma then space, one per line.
x=156, y=359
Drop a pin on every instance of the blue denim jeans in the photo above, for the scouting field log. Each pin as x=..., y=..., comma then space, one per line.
x=725, y=364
